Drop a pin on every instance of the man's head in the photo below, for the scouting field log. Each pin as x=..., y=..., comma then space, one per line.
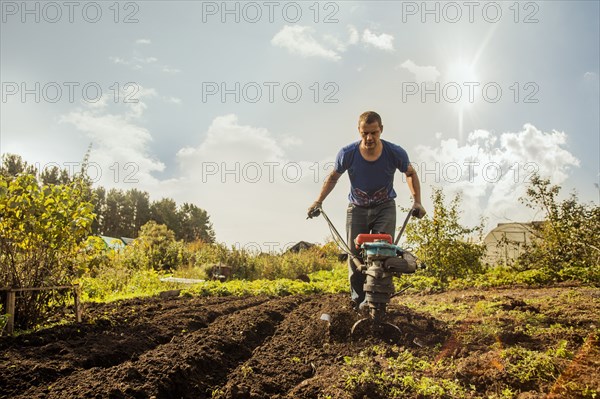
x=370, y=128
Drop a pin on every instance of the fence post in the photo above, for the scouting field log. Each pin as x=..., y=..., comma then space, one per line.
x=10, y=309
x=76, y=297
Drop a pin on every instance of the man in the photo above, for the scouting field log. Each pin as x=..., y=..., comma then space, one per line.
x=371, y=164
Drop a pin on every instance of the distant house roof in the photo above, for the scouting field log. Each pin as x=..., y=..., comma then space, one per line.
x=127, y=240
x=299, y=246
x=113, y=242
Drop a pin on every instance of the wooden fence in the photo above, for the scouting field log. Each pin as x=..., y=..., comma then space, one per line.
x=11, y=297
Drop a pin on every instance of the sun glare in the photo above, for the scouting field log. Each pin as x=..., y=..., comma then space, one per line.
x=461, y=72
x=462, y=77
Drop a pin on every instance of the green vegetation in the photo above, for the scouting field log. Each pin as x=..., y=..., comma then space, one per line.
x=120, y=213
x=3, y=319
x=443, y=243
x=394, y=372
x=500, y=347
x=114, y=284
x=42, y=227
x=137, y=268
x=123, y=213
x=529, y=366
x=567, y=246
x=330, y=282
x=47, y=219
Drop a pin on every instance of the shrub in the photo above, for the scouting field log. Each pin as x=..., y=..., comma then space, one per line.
x=42, y=230
x=443, y=244
x=566, y=244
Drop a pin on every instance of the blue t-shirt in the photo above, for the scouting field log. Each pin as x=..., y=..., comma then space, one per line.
x=371, y=182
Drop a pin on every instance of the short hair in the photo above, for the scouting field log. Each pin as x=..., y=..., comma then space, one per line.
x=370, y=117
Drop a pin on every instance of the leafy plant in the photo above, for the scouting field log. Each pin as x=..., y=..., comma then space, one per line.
x=567, y=242
x=3, y=319
x=376, y=372
x=443, y=244
x=530, y=366
x=42, y=229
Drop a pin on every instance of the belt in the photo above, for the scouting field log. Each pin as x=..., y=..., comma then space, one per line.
x=374, y=205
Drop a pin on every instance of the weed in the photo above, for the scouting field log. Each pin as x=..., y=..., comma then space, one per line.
x=398, y=375
x=530, y=366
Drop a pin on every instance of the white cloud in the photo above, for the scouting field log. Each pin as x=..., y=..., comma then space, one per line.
x=339, y=44
x=135, y=63
x=492, y=171
x=592, y=81
x=138, y=62
x=590, y=76
x=422, y=73
x=241, y=175
x=335, y=43
x=120, y=151
x=143, y=41
x=300, y=40
x=353, y=39
x=227, y=140
x=122, y=61
x=169, y=69
x=382, y=41
x=172, y=100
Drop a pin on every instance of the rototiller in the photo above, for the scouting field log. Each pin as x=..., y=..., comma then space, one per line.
x=380, y=259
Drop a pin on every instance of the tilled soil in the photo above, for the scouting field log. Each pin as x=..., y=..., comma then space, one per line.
x=252, y=347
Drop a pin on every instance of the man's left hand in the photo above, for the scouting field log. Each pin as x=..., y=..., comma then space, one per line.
x=420, y=211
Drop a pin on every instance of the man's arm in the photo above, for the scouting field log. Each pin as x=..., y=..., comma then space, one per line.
x=328, y=185
x=412, y=179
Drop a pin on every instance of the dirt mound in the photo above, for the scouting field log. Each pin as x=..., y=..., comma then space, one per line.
x=260, y=347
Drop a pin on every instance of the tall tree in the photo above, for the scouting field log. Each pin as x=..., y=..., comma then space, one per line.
x=115, y=213
x=99, y=202
x=13, y=164
x=195, y=224
x=165, y=212
x=55, y=175
x=140, y=202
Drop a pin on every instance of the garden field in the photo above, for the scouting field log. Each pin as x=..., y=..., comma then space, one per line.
x=493, y=343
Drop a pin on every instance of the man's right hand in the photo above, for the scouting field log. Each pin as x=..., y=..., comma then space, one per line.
x=314, y=210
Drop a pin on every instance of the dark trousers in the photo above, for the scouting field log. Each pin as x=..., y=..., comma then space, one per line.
x=359, y=220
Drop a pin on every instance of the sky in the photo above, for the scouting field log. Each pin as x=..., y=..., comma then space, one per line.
x=241, y=107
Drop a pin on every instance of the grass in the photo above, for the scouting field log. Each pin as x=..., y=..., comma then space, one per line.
x=144, y=283
x=394, y=372
x=330, y=282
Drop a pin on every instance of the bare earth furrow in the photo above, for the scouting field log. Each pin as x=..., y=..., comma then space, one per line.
x=305, y=349
x=187, y=367
x=108, y=337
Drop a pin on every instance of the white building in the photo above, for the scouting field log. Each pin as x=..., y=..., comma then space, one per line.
x=507, y=241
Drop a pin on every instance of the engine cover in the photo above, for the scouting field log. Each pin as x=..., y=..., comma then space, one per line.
x=379, y=250
x=399, y=265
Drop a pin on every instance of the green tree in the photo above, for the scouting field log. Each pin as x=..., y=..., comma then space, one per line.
x=99, y=202
x=115, y=213
x=55, y=175
x=42, y=228
x=443, y=244
x=140, y=207
x=165, y=212
x=194, y=224
x=12, y=165
x=567, y=242
x=159, y=245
